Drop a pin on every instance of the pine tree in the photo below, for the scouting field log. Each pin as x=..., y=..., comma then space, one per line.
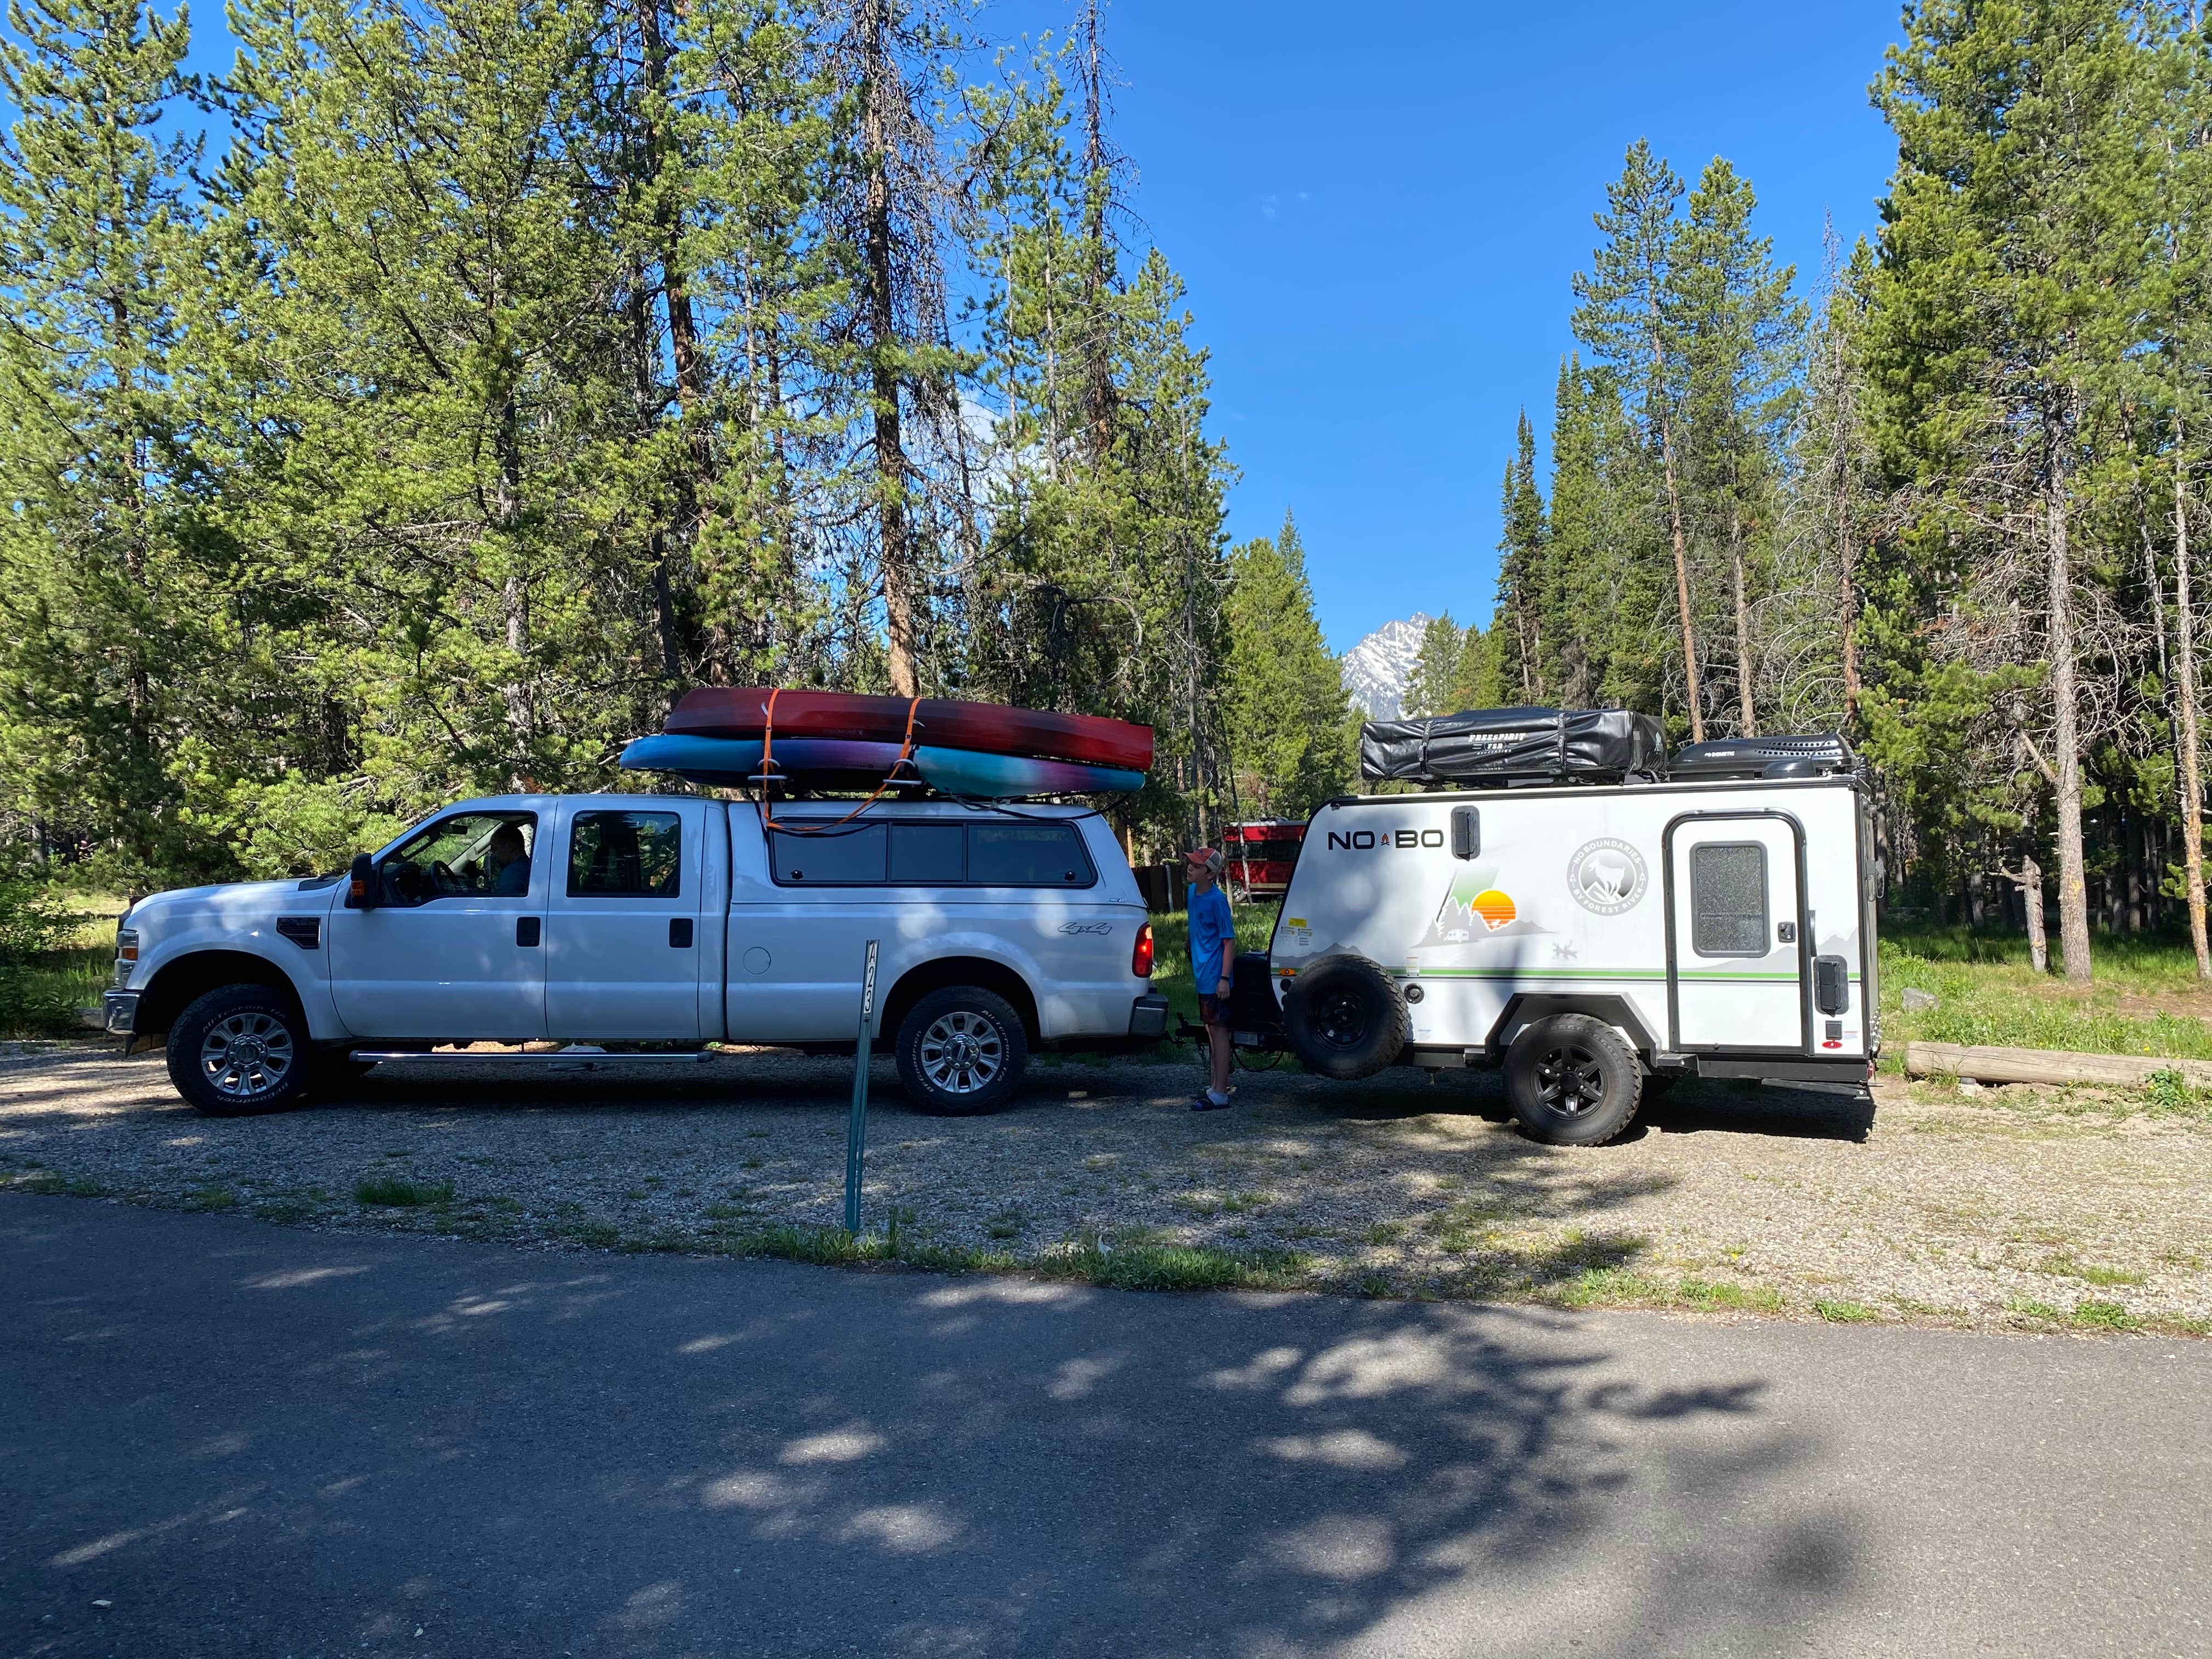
x=2011, y=289
x=1739, y=329
x=1289, y=721
x=102, y=548
x=1525, y=605
x=1433, y=688
x=1625, y=313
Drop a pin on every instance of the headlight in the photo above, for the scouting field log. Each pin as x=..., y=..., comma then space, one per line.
x=126, y=953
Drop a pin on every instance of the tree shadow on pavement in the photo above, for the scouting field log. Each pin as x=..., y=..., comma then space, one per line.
x=653, y=1457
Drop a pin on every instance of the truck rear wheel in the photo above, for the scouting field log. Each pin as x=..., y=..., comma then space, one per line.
x=962, y=1051
x=1572, y=1081
x=1344, y=1018
x=239, y=1051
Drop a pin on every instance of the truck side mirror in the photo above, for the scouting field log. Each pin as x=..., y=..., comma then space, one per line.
x=1465, y=833
x=361, y=891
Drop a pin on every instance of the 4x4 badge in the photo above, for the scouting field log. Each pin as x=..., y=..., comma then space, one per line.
x=1607, y=876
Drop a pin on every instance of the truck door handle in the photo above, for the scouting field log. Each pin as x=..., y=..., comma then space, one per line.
x=526, y=930
x=679, y=933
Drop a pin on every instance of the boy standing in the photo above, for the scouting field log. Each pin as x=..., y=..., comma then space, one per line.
x=1213, y=965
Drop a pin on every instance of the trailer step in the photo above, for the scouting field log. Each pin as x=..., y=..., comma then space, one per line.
x=588, y=1057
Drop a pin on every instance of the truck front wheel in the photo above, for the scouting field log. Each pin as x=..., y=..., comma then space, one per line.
x=239, y=1051
x=962, y=1051
x=1572, y=1081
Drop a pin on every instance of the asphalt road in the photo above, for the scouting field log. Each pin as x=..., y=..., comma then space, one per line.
x=221, y=1437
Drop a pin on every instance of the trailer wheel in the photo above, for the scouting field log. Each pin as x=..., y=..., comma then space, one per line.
x=1344, y=1018
x=962, y=1052
x=1572, y=1081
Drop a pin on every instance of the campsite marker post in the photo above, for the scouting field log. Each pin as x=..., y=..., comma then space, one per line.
x=856, y=1132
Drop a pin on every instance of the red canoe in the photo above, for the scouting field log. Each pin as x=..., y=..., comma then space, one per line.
x=716, y=711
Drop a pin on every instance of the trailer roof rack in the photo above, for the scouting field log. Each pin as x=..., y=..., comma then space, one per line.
x=1810, y=755
x=1499, y=748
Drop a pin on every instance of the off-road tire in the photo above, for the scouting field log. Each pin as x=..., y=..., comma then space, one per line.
x=931, y=1060
x=241, y=1051
x=1572, y=1081
x=1344, y=1018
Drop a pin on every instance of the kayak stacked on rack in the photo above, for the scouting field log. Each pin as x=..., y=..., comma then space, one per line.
x=724, y=736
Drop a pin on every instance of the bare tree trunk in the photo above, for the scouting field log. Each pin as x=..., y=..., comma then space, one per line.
x=2029, y=879
x=1099, y=391
x=2192, y=782
x=897, y=560
x=1847, y=562
x=2073, y=878
x=1682, y=572
x=1749, y=722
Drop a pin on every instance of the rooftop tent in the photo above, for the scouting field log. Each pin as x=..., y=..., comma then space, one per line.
x=1503, y=745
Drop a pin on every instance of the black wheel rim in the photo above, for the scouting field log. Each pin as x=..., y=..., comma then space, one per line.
x=1341, y=1020
x=1570, y=1081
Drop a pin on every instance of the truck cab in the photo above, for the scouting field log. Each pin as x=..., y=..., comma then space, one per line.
x=670, y=921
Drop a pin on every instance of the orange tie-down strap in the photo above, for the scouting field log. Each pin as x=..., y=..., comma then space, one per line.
x=767, y=755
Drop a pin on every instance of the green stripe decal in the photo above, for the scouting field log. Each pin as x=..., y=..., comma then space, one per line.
x=1702, y=976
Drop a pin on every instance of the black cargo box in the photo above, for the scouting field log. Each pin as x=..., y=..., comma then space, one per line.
x=1815, y=755
x=1501, y=745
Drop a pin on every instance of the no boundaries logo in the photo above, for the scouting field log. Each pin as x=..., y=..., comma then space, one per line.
x=1607, y=876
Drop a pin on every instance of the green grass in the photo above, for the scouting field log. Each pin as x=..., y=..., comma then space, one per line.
x=41, y=994
x=1139, y=1264
x=399, y=1192
x=1171, y=974
x=1845, y=1313
x=1987, y=994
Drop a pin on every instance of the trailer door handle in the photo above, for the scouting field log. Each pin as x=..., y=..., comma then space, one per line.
x=526, y=930
x=679, y=933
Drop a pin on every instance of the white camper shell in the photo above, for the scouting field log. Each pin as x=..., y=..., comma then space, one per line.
x=1586, y=937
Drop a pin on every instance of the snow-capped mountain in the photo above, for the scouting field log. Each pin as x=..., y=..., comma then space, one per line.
x=1375, y=669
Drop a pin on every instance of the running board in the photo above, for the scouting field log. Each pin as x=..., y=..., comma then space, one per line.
x=588, y=1058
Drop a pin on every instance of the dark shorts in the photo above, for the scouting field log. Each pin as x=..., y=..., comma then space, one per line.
x=1210, y=1009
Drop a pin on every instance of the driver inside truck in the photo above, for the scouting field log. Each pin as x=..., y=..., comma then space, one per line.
x=510, y=861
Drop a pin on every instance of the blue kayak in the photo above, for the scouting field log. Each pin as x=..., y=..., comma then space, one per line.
x=731, y=762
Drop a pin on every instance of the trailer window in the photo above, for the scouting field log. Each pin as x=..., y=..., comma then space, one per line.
x=1728, y=899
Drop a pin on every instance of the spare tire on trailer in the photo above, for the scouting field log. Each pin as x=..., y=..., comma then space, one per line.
x=1344, y=1018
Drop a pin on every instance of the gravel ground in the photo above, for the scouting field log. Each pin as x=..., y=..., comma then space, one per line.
x=2013, y=1207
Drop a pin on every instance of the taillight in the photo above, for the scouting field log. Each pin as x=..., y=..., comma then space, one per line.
x=1140, y=959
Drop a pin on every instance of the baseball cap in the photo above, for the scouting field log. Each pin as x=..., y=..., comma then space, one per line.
x=1208, y=857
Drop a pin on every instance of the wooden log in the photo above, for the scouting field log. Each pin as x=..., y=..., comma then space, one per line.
x=2046, y=1066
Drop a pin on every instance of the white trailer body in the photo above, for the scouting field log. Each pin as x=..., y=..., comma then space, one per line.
x=1724, y=926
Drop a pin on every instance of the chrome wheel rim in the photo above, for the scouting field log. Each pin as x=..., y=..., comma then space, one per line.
x=246, y=1055
x=962, y=1052
x=1570, y=1080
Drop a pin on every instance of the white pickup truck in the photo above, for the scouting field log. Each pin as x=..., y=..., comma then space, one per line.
x=656, y=924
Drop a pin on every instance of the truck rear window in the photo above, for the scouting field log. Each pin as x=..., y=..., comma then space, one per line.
x=934, y=855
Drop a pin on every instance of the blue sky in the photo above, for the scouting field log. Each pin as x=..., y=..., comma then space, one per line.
x=1378, y=209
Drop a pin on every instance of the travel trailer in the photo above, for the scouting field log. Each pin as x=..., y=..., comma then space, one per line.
x=1590, y=916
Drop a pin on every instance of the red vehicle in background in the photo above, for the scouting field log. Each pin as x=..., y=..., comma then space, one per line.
x=1260, y=857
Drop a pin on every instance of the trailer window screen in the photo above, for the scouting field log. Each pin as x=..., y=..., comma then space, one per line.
x=1728, y=899
x=843, y=859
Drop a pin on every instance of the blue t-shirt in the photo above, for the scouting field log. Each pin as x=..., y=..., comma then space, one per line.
x=1210, y=928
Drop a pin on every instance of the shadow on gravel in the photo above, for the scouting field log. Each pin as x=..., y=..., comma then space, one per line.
x=502, y=1455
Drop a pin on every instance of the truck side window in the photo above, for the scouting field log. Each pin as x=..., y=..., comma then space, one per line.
x=625, y=855
x=1728, y=899
x=1027, y=855
x=843, y=858
x=926, y=854
x=473, y=854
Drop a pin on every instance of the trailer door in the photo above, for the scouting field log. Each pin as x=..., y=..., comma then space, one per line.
x=1737, y=944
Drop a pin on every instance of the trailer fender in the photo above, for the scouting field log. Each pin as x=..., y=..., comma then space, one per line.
x=1525, y=1007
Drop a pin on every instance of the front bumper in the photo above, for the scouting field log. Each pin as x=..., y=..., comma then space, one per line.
x=1148, y=1017
x=119, y=1012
